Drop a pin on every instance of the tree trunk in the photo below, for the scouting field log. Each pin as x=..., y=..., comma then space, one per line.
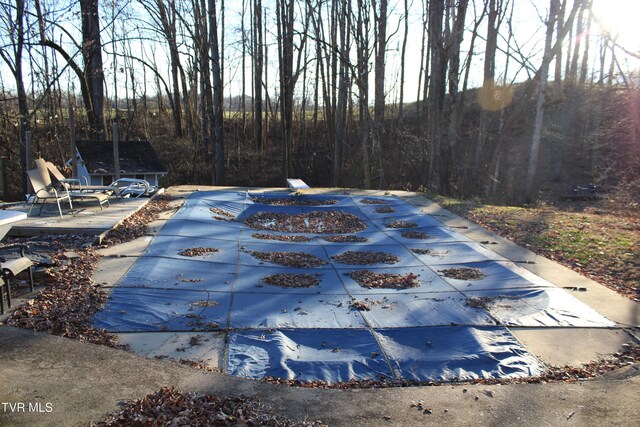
x=216, y=71
x=379, y=102
x=257, y=73
x=93, y=70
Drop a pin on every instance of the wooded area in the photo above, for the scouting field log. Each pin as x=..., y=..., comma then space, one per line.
x=259, y=90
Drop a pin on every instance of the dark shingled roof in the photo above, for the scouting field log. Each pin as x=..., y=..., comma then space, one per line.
x=135, y=157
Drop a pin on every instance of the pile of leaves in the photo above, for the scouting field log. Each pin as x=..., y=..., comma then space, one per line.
x=365, y=305
x=52, y=243
x=385, y=209
x=292, y=201
x=345, y=238
x=479, y=302
x=172, y=407
x=422, y=251
x=463, y=273
x=321, y=222
x=136, y=225
x=374, y=202
x=291, y=280
x=67, y=303
x=369, y=279
x=412, y=234
x=205, y=303
x=289, y=259
x=365, y=258
x=193, y=252
x=401, y=224
x=222, y=215
x=280, y=237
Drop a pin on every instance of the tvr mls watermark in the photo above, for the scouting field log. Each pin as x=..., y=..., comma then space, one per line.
x=30, y=407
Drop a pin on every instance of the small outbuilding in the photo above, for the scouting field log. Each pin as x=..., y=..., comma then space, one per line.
x=138, y=160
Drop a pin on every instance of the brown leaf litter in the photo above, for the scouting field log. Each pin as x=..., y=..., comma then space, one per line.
x=412, y=234
x=385, y=209
x=365, y=258
x=319, y=222
x=222, y=215
x=401, y=224
x=369, y=279
x=136, y=225
x=280, y=237
x=374, y=202
x=289, y=259
x=193, y=252
x=422, y=251
x=291, y=280
x=479, y=302
x=345, y=238
x=463, y=273
x=68, y=302
x=292, y=201
x=172, y=407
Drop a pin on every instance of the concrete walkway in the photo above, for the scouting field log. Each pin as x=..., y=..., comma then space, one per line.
x=83, y=382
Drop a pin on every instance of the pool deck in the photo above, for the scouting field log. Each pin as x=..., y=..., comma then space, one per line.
x=84, y=381
x=85, y=218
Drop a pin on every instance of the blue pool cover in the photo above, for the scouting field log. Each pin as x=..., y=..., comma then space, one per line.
x=445, y=328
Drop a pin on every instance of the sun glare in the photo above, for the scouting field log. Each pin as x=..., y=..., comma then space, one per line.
x=620, y=19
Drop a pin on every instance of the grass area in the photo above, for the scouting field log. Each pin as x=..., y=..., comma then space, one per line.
x=602, y=245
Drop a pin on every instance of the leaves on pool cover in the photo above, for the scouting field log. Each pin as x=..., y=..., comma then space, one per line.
x=205, y=303
x=359, y=305
x=374, y=202
x=172, y=407
x=365, y=258
x=369, y=279
x=291, y=280
x=281, y=238
x=479, y=302
x=422, y=251
x=385, y=209
x=412, y=234
x=193, y=252
x=401, y=224
x=292, y=201
x=463, y=273
x=289, y=259
x=321, y=222
x=222, y=215
x=345, y=238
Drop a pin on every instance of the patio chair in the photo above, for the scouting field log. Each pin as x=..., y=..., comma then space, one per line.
x=120, y=187
x=44, y=191
x=9, y=268
x=101, y=198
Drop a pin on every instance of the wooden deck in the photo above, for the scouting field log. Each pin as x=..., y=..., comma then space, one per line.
x=85, y=218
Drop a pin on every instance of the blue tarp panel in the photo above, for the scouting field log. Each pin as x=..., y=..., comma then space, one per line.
x=428, y=332
x=454, y=253
x=167, y=273
x=540, y=307
x=407, y=311
x=306, y=355
x=499, y=275
x=146, y=310
x=303, y=311
x=447, y=353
